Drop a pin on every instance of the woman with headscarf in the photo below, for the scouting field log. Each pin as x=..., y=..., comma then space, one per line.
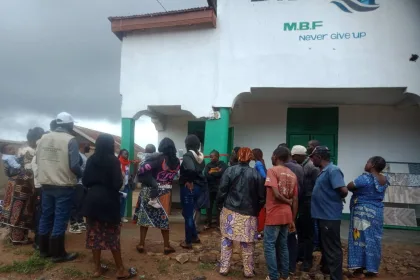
x=241, y=197
x=262, y=170
x=163, y=168
x=367, y=219
x=103, y=179
x=194, y=189
x=19, y=201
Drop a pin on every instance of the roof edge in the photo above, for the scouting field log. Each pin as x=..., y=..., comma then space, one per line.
x=203, y=16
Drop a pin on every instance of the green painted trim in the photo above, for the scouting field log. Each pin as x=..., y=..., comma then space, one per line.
x=345, y=216
x=216, y=134
x=127, y=142
x=402, y=227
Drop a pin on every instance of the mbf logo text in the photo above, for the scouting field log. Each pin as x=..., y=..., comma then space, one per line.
x=350, y=6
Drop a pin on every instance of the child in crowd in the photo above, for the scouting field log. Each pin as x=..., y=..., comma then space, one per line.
x=147, y=177
x=10, y=160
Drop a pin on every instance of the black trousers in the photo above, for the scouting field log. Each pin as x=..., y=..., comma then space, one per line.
x=76, y=209
x=305, y=229
x=332, y=254
x=292, y=246
x=212, y=196
x=38, y=212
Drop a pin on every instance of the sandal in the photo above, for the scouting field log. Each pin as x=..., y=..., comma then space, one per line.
x=140, y=249
x=185, y=245
x=132, y=272
x=169, y=250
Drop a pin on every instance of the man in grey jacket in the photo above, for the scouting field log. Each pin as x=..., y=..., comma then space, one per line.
x=59, y=168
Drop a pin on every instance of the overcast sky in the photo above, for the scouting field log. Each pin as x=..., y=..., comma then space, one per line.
x=62, y=56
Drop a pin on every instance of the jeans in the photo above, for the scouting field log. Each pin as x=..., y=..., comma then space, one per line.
x=78, y=198
x=292, y=246
x=123, y=202
x=56, y=205
x=188, y=200
x=275, y=251
x=332, y=254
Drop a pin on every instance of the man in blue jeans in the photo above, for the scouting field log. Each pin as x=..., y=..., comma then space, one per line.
x=57, y=157
x=326, y=207
x=194, y=190
x=281, y=206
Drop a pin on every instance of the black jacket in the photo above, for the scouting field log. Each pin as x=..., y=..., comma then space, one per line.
x=103, y=179
x=241, y=190
x=213, y=179
x=192, y=171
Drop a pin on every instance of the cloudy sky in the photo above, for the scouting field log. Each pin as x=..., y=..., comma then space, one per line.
x=62, y=56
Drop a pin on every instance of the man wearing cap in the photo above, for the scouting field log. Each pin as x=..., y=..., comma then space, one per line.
x=59, y=168
x=304, y=223
x=326, y=209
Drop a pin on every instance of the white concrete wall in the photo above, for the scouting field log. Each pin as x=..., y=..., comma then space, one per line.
x=249, y=48
x=364, y=131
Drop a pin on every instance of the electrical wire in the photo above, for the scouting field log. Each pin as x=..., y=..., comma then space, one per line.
x=161, y=5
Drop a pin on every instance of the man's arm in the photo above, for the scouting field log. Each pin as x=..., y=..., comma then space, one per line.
x=337, y=182
x=272, y=182
x=74, y=158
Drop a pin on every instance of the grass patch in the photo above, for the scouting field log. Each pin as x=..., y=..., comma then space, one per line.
x=73, y=272
x=206, y=266
x=33, y=264
x=177, y=268
x=162, y=266
x=19, y=252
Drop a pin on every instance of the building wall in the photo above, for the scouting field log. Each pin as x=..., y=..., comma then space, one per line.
x=364, y=131
x=201, y=68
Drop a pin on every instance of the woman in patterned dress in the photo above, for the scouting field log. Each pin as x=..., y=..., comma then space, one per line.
x=19, y=201
x=367, y=218
x=241, y=197
x=164, y=167
x=101, y=207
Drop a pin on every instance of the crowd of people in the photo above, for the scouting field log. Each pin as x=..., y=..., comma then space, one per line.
x=295, y=206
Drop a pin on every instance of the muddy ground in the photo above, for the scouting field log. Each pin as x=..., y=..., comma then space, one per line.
x=400, y=261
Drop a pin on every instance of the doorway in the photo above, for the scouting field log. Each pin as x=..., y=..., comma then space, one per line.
x=305, y=124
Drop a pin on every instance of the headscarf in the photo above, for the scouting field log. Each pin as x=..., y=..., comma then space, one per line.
x=245, y=155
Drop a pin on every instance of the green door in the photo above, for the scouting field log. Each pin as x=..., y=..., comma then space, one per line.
x=304, y=124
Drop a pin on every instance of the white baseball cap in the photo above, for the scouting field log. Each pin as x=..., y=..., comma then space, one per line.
x=64, y=118
x=298, y=150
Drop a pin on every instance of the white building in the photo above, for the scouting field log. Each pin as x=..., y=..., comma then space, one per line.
x=279, y=71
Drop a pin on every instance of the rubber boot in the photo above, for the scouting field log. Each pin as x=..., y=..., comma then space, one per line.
x=58, y=251
x=44, y=246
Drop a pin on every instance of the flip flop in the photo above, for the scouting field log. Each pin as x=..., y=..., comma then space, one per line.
x=132, y=272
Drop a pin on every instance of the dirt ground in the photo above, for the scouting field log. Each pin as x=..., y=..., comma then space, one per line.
x=400, y=261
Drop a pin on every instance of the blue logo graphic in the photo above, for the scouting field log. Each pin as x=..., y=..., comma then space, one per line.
x=350, y=6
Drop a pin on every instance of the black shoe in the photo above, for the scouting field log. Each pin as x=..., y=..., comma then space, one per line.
x=58, y=251
x=44, y=246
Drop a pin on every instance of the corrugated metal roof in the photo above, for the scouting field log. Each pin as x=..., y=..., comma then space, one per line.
x=174, y=12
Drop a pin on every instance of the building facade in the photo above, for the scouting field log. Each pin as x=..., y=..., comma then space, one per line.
x=260, y=73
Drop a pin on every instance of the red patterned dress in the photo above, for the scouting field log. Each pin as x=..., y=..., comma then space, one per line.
x=19, y=200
